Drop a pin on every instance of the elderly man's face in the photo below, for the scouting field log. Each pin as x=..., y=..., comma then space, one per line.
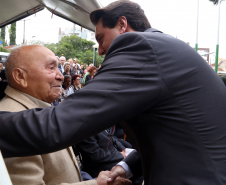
x=43, y=76
x=62, y=60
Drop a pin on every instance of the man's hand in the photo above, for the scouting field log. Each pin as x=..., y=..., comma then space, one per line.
x=103, y=177
x=116, y=171
x=120, y=181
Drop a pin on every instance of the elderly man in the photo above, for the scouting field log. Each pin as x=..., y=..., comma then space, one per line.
x=35, y=81
x=61, y=65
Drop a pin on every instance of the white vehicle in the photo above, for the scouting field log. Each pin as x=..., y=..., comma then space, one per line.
x=3, y=57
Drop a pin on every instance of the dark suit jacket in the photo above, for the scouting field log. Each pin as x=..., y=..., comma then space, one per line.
x=60, y=68
x=100, y=154
x=170, y=101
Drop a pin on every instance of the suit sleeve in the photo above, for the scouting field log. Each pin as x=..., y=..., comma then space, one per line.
x=127, y=80
x=117, y=144
x=133, y=160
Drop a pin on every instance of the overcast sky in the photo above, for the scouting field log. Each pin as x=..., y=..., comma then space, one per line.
x=174, y=17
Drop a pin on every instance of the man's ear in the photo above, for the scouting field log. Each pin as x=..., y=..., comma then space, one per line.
x=20, y=77
x=122, y=23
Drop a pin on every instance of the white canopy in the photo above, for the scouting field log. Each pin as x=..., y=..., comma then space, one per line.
x=76, y=11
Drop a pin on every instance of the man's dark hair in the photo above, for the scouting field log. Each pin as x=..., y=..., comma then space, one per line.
x=66, y=77
x=111, y=13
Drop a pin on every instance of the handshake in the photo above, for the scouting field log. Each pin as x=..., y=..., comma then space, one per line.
x=114, y=177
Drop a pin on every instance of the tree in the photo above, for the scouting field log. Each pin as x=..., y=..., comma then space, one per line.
x=2, y=37
x=12, y=34
x=75, y=47
x=4, y=50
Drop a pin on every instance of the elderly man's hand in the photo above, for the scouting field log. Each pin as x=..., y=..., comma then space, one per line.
x=103, y=177
x=116, y=171
x=120, y=181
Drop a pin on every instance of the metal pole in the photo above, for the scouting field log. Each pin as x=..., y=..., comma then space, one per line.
x=95, y=63
x=24, y=33
x=197, y=26
x=217, y=47
x=93, y=54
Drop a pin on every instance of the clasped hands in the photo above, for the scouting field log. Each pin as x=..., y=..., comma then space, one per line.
x=114, y=177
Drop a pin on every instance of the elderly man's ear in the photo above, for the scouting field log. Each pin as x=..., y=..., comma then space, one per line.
x=20, y=77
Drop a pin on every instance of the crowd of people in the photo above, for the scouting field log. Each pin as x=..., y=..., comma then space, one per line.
x=75, y=76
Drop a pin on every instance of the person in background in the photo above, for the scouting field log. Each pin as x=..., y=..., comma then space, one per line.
x=86, y=69
x=75, y=81
x=66, y=87
x=76, y=63
x=81, y=73
x=61, y=64
x=89, y=75
x=77, y=69
x=3, y=81
x=67, y=69
x=100, y=152
x=72, y=67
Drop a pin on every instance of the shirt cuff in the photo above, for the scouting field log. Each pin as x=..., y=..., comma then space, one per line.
x=127, y=169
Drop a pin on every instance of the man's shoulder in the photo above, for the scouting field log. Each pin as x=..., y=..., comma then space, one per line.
x=15, y=101
x=9, y=104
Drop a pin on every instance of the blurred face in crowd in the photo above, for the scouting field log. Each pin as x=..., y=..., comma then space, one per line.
x=62, y=60
x=76, y=82
x=1, y=66
x=93, y=72
x=82, y=66
x=67, y=83
x=67, y=68
x=87, y=66
x=38, y=74
x=71, y=62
